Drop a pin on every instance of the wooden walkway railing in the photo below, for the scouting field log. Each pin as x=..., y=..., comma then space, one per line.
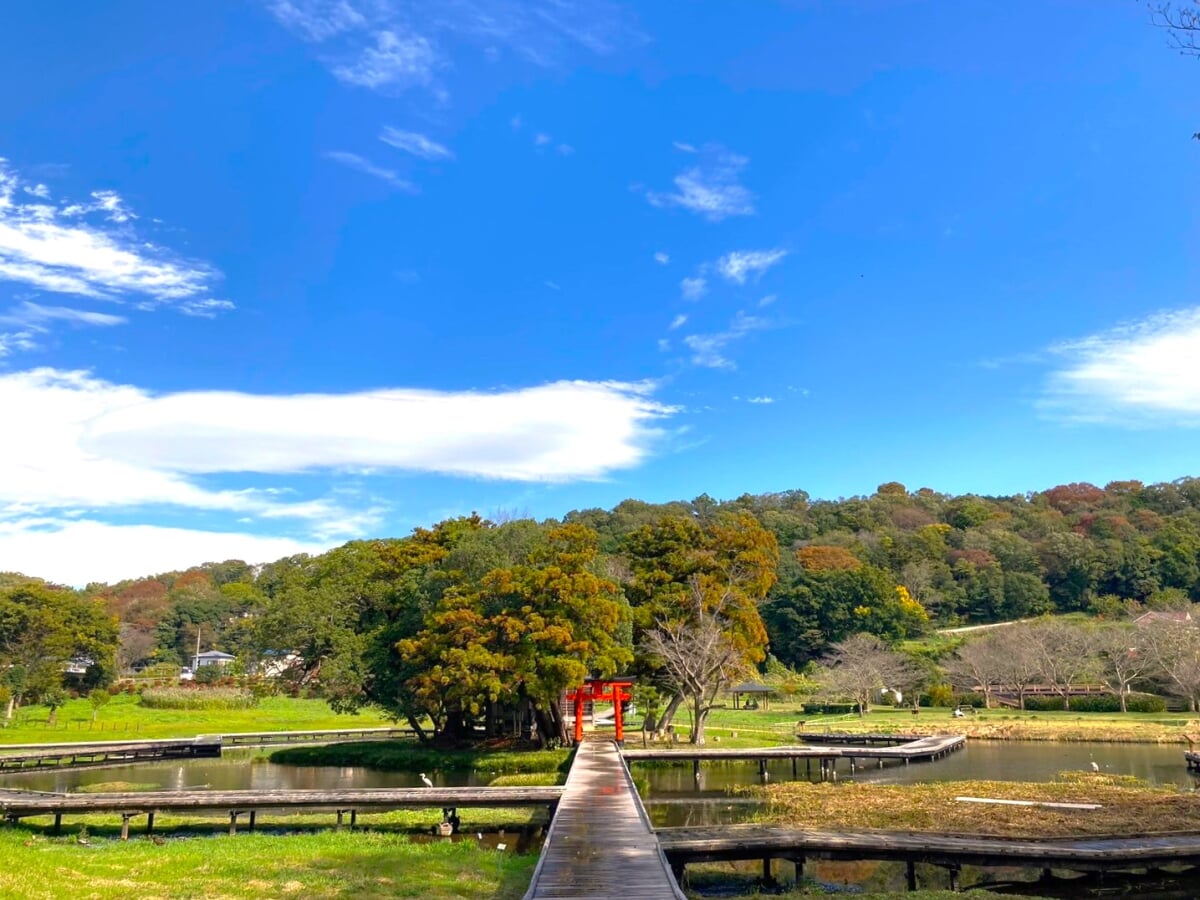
x=600, y=843
x=16, y=805
x=918, y=750
x=731, y=842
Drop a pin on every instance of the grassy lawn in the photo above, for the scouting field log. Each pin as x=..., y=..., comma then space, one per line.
x=319, y=865
x=1128, y=807
x=125, y=719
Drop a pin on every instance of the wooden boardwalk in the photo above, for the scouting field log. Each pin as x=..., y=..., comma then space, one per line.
x=16, y=805
x=731, y=842
x=919, y=750
x=89, y=753
x=600, y=843
x=15, y=757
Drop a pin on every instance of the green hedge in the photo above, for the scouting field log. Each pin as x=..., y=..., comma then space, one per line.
x=406, y=756
x=1101, y=703
x=829, y=709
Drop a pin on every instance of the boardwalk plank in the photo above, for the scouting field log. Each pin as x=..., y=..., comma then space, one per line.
x=600, y=843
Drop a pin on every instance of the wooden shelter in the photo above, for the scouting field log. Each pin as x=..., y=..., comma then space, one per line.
x=761, y=692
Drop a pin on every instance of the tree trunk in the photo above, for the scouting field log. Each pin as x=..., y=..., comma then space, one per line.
x=669, y=714
x=699, y=714
x=1067, y=700
x=987, y=699
x=12, y=705
x=1124, y=694
x=415, y=724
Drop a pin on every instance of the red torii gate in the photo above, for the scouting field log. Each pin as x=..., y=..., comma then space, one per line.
x=605, y=690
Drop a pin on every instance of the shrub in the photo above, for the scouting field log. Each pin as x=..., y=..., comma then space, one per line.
x=198, y=698
x=1147, y=703
x=977, y=701
x=1044, y=704
x=940, y=695
x=829, y=709
x=208, y=675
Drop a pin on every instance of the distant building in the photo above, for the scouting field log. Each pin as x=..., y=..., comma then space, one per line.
x=1163, y=616
x=211, y=658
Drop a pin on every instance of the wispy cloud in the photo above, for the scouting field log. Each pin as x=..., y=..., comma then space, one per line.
x=205, y=309
x=767, y=300
x=661, y=258
x=708, y=350
x=711, y=188
x=1142, y=373
x=541, y=139
x=678, y=322
x=760, y=400
x=359, y=164
x=693, y=288
x=415, y=143
x=394, y=45
x=740, y=265
x=87, y=249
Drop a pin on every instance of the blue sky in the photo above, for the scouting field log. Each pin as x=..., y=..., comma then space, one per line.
x=278, y=274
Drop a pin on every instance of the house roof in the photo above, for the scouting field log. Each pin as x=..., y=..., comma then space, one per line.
x=752, y=687
x=1158, y=615
x=214, y=654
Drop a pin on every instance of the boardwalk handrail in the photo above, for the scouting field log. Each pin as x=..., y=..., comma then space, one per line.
x=683, y=845
x=922, y=748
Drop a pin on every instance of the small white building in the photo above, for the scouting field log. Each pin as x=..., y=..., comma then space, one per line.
x=211, y=658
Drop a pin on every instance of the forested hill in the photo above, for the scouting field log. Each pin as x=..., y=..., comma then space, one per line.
x=894, y=563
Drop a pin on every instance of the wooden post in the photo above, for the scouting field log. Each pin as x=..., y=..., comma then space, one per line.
x=696, y=772
x=912, y=875
x=768, y=875
x=125, y=817
x=798, y=862
x=618, y=722
x=579, y=715
x=233, y=816
x=253, y=818
x=353, y=818
x=150, y=822
x=58, y=823
x=954, y=878
x=338, y=826
x=762, y=769
x=793, y=768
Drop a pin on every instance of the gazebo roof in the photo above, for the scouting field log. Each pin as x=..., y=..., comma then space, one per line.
x=752, y=687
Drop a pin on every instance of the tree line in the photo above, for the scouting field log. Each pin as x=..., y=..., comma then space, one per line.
x=464, y=622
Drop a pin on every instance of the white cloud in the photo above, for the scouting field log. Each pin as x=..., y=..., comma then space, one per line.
x=693, y=288
x=87, y=250
x=414, y=143
x=711, y=188
x=661, y=258
x=317, y=20
x=76, y=552
x=205, y=309
x=767, y=300
x=678, y=322
x=541, y=139
x=358, y=163
x=399, y=59
x=739, y=265
x=391, y=45
x=103, y=445
x=664, y=345
x=760, y=400
x=34, y=316
x=1143, y=373
x=708, y=350
x=565, y=149
x=684, y=147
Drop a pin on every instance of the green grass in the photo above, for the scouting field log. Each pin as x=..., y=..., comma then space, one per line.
x=405, y=756
x=318, y=865
x=124, y=718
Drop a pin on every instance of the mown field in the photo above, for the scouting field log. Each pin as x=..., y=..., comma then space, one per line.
x=124, y=718
x=322, y=864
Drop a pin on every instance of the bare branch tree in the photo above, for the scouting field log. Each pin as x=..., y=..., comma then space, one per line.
x=1122, y=660
x=1182, y=24
x=1065, y=653
x=862, y=665
x=980, y=665
x=1174, y=645
x=699, y=656
x=1020, y=667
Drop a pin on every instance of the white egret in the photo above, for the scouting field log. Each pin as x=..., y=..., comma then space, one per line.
x=425, y=780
